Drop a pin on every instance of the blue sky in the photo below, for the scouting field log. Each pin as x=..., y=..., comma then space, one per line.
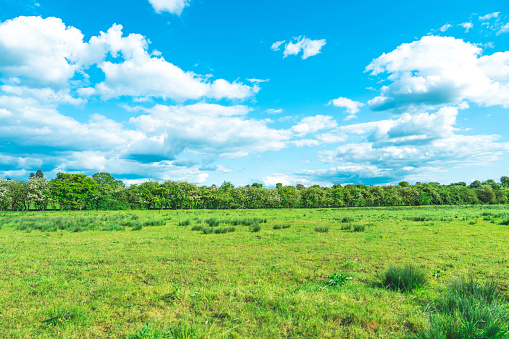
x=265, y=91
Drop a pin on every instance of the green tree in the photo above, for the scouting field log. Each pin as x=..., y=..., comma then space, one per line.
x=72, y=191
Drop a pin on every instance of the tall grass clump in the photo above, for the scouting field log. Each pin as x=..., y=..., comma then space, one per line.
x=403, y=278
x=186, y=222
x=321, y=229
x=359, y=228
x=212, y=222
x=347, y=219
x=467, y=310
x=281, y=226
x=255, y=228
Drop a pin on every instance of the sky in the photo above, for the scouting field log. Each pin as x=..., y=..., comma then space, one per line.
x=292, y=92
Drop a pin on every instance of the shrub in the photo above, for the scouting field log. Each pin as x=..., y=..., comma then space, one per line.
x=277, y=227
x=359, y=228
x=185, y=223
x=505, y=222
x=197, y=228
x=467, y=310
x=321, y=229
x=286, y=226
x=403, y=278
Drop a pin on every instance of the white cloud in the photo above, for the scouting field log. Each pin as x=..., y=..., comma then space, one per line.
x=489, y=16
x=437, y=71
x=286, y=180
x=313, y=124
x=44, y=53
x=307, y=46
x=257, y=81
x=352, y=107
x=274, y=111
x=410, y=145
x=305, y=143
x=503, y=29
x=206, y=129
x=170, y=6
x=445, y=27
x=40, y=52
x=467, y=26
x=142, y=75
x=276, y=46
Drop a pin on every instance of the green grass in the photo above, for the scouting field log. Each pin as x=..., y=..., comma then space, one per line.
x=166, y=281
x=468, y=310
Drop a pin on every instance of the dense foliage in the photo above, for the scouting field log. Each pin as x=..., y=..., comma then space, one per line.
x=103, y=192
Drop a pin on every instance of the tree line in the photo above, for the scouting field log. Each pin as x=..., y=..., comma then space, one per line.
x=102, y=191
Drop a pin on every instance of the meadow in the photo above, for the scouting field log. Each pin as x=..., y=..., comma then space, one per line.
x=272, y=273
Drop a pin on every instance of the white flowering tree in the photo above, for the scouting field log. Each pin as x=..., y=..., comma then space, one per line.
x=37, y=192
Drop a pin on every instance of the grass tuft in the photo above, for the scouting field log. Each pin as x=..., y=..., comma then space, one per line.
x=359, y=228
x=321, y=229
x=403, y=278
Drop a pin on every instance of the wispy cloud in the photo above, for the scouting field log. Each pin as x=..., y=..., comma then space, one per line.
x=300, y=44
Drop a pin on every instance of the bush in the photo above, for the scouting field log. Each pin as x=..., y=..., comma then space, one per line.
x=359, y=228
x=197, y=228
x=467, y=310
x=403, y=278
x=321, y=229
x=505, y=222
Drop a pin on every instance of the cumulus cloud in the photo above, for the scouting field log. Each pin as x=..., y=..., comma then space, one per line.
x=44, y=64
x=207, y=129
x=409, y=145
x=302, y=44
x=143, y=75
x=40, y=52
x=170, y=6
x=313, y=124
x=437, y=71
x=45, y=53
x=352, y=107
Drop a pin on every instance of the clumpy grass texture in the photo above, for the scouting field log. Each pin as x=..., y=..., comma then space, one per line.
x=171, y=281
x=468, y=310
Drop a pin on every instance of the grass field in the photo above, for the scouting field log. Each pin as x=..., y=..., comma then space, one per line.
x=265, y=274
